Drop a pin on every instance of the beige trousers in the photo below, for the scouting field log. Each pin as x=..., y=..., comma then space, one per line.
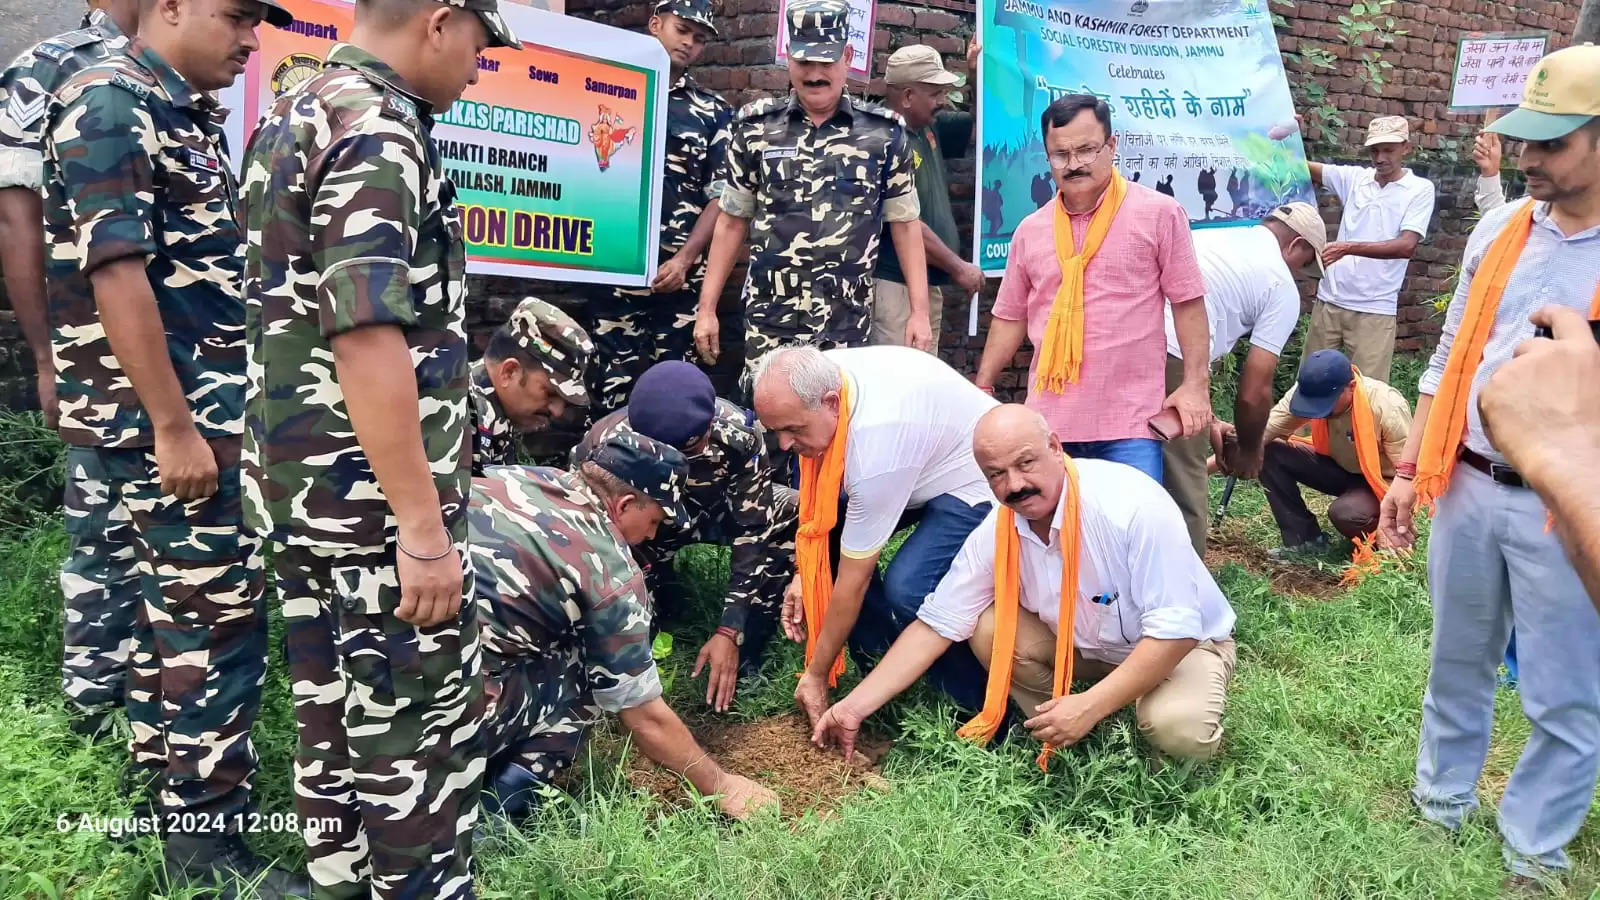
x=1181, y=717
x=891, y=310
x=1367, y=338
x=1183, y=462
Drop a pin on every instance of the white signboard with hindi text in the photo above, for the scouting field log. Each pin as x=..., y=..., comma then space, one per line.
x=1492, y=68
x=862, y=16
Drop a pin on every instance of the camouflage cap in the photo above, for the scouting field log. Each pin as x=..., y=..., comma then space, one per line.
x=819, y=30
x=556, y=342
x=696, y=11
x=500, y=34
x=276, y=14
x=656, y=469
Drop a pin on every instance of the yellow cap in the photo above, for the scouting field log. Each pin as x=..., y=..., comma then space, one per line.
x=1562, y=95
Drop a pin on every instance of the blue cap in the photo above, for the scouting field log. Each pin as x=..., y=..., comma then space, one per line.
x=1323, y=377
x=672, y=402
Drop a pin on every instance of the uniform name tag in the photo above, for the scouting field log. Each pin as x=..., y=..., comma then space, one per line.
x=204, y=161
x=780, y=153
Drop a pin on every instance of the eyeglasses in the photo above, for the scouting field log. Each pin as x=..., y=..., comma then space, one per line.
x=1062, y=159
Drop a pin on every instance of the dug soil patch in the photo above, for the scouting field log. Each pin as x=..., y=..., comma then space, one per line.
x=777, y=752
x=1295, y=578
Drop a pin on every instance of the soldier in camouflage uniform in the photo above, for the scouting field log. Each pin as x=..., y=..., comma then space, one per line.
x=814, y=177
x=100, y=579
x=532, y=369
x=732, y=500
x=150, y=368
x=634, y=328
x=356, y=274
x=566, y=619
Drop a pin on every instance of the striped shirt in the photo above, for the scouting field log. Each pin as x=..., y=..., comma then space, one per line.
x=1147, y=257
x=1554, y=269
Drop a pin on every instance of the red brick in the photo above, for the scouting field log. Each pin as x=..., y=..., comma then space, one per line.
x=938, y=20
x=895, y=14
x=769, y=79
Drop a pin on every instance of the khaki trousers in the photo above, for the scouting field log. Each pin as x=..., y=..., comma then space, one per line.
x=891, y=310
x=1184, y=470
x=1181, y=717
x=1367, y=338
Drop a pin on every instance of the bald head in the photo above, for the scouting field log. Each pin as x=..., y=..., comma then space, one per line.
x=1021, y=459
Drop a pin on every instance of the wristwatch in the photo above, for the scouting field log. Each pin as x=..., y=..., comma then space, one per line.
x=731, y=634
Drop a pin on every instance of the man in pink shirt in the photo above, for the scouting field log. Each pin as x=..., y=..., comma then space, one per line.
x=1146, y=258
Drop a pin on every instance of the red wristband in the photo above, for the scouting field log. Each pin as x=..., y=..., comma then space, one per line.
x=1407, y=469
x=731, y=634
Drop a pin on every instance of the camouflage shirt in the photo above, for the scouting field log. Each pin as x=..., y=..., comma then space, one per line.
x=818, y=196
x=351, y=222
x=697, y=148
x=32, y=79
x=552, y=576
x=494, y=439
x=136, y=166
x=731, y=472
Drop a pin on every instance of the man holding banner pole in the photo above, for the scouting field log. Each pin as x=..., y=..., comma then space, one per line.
x=814, y=177
x=1087, y=280
x=635, y=329
x=357, y=453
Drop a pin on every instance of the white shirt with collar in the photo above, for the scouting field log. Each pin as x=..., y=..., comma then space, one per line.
x=1138, y=575
x=1373, y=212
x=1249, y=290
x=909, y=440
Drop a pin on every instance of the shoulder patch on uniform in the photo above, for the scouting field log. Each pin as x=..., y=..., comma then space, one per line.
x=758, y=107
x=881, y=112
x=132, y=85
x=399, y=106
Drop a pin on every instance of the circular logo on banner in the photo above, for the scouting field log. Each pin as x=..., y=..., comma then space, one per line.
x=295, y=68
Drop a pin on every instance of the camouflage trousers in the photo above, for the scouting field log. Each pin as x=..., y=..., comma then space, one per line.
x=759, y=343
x=632, y=331
x=539, y=713
x=390, y=756
x=199, y=649
x=101, y=586
x=766, y=571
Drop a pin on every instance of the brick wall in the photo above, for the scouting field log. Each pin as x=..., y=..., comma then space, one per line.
x=739, y=65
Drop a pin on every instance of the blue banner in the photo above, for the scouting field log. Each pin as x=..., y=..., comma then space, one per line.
x=1199, y=106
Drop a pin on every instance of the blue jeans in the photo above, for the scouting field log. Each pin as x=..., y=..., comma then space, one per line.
x=894, y=596
x=1143, y=454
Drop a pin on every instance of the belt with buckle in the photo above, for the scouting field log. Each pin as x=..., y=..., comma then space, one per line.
x=1500, y=473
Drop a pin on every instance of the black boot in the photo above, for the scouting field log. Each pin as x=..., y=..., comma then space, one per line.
x=223, y=862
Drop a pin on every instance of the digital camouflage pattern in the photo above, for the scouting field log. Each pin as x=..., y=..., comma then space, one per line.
x=494, y=438
x=818, y=197
x=732, y=498
x=32, y=79
x=99, y=579
x=136, y=165
x=401, y=784
x=565, y=613
x=635, y=329
x=350, y=222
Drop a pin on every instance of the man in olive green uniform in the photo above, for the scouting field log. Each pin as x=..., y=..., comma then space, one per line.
x=357, y=454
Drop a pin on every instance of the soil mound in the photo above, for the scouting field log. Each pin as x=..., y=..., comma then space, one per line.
x=1292, y=578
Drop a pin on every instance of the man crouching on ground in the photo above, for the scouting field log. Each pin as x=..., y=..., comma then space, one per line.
x=1148, y=623
x=566, y=619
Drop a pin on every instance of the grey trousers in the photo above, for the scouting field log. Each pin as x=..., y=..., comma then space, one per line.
x=1492, y=564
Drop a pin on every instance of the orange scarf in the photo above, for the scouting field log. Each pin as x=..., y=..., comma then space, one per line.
x=820, y=482
x=1007, y=605
x=1061, y=351
x=1365, y=430
x=1447, y=423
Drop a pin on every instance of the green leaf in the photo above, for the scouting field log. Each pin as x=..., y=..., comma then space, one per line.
x=1359, y=9
x=661, y=648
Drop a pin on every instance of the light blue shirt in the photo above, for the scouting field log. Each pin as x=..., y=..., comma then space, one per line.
x=1554, y=269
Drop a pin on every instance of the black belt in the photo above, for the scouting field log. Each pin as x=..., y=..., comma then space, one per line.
x=1500, y=473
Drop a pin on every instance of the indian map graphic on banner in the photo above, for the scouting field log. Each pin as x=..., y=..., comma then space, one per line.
x=556, y=152
x=1199, y=106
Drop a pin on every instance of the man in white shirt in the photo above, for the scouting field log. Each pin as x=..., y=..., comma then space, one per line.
x=907, y=421
x=1150, y=626
x=1386, y=213
x=1250, y=289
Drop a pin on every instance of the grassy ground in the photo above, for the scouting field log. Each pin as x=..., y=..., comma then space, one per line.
x=1309, y=799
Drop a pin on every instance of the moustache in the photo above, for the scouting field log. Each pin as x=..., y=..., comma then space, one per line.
x=1018, y=496
x=816, y=83
x=1078, y=173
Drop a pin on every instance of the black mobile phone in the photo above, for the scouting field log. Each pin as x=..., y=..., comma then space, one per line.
x=1541, y=331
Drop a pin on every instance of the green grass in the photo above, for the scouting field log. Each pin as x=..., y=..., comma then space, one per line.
x=1308, y=800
